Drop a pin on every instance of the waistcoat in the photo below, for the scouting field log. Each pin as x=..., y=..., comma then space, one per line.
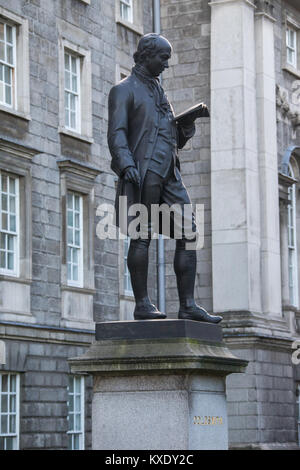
x=165, y=149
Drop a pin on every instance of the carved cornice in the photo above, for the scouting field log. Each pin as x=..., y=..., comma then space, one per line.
x=224, y=2
x=16, y=149
x=264, y=6
x=72, y=166
x=284, y=107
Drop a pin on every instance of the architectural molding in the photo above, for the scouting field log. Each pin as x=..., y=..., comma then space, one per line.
x=265, y=6
x=45, y=334
x=15, y=287
x=292, y=150
x=77, y=168
x=223, y=2
x=243, y=324
x=284, y=183
x=18, y=150
x=284, y=107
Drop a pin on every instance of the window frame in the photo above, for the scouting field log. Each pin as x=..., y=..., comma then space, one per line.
x=128, y=4
x=70, y=91
x=79, y=282
x=21, y=104
x=291, y=24
x=16, y=434
x=136, y=25
x=121, y=73
x=17, y=160
x=16, y=269
x=84, y=129
x=12, y=66
x=79, y=177
x=73, y=432
x=289, y=47
x=292, y=242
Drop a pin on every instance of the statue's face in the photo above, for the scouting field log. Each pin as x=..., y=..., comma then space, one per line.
x=159, y=61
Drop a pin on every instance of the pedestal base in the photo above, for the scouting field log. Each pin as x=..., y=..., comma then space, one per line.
x=161, y=387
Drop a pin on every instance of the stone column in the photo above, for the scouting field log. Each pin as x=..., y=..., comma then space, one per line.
x=235, y=182
x=267, y=157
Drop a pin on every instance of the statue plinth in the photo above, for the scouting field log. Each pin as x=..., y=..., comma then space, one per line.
x=159, y=384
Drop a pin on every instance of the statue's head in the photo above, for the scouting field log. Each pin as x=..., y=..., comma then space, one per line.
x=153, y=52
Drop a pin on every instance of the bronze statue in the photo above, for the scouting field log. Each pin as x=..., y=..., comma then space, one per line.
x=144, y=139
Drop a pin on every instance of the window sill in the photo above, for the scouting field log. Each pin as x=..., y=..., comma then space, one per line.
x=15, y=113
x=75, y=135
x=81, y=290
x=127, y=297
x=11, y=278
x=132, y=26
x=292, y=70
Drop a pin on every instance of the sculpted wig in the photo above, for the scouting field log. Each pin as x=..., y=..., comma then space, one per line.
x=148, y=47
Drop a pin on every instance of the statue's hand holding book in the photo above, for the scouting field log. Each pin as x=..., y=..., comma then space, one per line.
x=188, y=116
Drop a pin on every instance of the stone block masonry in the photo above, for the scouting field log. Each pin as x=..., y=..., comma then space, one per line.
x=187, y=25
x=40, y=357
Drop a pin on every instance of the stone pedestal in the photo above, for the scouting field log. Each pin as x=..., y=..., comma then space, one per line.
x=159, y=385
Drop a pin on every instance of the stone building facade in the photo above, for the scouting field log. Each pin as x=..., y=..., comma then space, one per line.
x=241, y=58
x=58, y=62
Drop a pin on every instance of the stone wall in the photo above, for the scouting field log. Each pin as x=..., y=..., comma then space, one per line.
x=187, y=26
x=40, y=352
x=288, y=134
x=98, y=22
x=261, y=403
x=40, y=356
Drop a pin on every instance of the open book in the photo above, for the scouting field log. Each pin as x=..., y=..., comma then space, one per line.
x=196, y=111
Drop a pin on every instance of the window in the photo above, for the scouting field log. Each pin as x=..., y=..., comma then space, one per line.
x=76, y=412
x=127, y=280
x=14, y=64
x=7, y=64
x=126, y=12
x=9, y=411
x=129, y=14
x=291, y=44
x=292, y=244
x=9, y=239
x=291, y=47
x=74, y=238
x=72, y=93
x=77, y=180
x=121, y=73
x=16, y=230
x=75, y=91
